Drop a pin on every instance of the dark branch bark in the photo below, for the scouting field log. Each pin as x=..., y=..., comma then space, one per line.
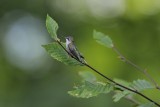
x=109, y=79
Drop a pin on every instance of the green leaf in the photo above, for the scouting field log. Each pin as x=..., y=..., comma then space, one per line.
x=146, y=105
x=102, y=39
x=89, y=89
x=52, y=27
x=87, y=76
x=58, y=53
x=120, y=94
x=123, y=82
x=141, y=85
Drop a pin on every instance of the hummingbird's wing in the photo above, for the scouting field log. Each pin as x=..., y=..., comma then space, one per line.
x=78, y=51
x=72, y=49
x=75, y=53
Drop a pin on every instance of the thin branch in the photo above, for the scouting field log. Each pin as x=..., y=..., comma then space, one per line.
x=144, y=71
x=109, y=79
x=134, y=91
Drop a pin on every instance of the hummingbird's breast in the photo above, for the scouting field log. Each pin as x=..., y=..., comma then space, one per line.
x=67, y=45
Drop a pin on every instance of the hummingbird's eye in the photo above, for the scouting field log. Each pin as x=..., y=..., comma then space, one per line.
x=67, y=38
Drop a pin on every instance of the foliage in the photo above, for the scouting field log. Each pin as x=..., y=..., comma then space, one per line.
x=58, y=53
x=54, y=49
x=141, y=85
x=52, y=27
x=88, y=76
x=90, y=86
x=91, y=89
x=146, y=105
x=120, y=94
x=102, y=39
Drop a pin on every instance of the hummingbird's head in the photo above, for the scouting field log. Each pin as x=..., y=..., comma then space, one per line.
x=69, y=39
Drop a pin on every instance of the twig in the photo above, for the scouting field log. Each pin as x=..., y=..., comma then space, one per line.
x=127, y=88
x=144, y=71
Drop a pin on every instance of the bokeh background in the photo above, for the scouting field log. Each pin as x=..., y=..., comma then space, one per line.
x=29, y=77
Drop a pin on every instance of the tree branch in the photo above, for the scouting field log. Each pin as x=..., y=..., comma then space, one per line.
x=144, y=71
x=109, y=79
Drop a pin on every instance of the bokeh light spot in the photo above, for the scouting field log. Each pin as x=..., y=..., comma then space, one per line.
x=22, y=43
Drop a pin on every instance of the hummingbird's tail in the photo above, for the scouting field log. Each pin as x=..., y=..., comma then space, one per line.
x=82, y=59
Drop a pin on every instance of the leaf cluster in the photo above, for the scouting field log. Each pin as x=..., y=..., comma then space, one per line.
x=94, y=88
x=90, y=86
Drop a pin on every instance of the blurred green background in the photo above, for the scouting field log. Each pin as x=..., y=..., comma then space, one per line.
x=29, y=77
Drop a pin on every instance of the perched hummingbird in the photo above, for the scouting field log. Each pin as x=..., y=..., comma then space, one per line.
x=71, y=48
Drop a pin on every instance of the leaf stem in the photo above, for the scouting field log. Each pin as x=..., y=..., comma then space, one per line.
x=144, y=71
x=109, y=79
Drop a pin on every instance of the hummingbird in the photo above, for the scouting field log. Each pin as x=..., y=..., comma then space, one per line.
x=72, y=49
